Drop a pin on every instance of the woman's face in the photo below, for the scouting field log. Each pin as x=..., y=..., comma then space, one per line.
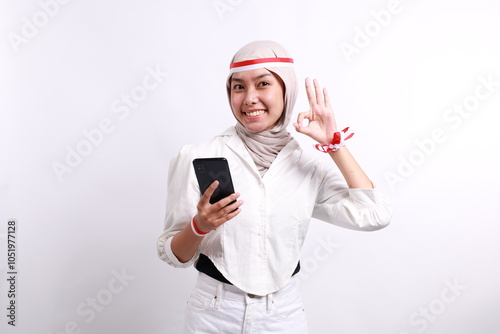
x=257, y=99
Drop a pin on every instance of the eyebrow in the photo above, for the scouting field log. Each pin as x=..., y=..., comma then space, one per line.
x=255, y=78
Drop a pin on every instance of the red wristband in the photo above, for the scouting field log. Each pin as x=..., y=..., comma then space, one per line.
x=196, y=230
x=338, y=141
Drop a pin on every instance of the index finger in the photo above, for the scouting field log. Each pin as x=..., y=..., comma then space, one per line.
x=205, y=198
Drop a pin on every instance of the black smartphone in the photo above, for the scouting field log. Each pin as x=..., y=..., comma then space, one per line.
x=208, y=170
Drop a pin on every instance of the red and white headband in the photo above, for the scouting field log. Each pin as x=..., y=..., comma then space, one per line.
x=260, y=63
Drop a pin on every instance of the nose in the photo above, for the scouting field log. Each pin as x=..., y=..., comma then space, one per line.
x=251, y=96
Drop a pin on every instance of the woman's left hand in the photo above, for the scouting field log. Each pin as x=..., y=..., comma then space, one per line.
x=321, y=121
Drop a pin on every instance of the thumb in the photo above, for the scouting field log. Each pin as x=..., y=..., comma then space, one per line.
x=301, y=128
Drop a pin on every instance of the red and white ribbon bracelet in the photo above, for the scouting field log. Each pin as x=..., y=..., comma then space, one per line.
x=338, y=141
x=196, y=230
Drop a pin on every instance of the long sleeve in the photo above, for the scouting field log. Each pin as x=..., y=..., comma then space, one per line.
x=356, y=209
x=182, y=198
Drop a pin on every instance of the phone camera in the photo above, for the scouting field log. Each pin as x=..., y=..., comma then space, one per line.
x=200, y=167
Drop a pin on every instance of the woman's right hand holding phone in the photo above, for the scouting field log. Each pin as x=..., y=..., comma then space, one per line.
x=210, y=216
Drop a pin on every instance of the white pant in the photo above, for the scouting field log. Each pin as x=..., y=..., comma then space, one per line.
x=218, y=308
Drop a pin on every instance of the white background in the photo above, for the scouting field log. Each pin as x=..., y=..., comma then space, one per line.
x=80, y=229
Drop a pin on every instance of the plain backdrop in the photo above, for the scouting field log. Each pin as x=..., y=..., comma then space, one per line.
x=96, y=97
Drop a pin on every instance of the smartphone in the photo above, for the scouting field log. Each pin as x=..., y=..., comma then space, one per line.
x=208, y=170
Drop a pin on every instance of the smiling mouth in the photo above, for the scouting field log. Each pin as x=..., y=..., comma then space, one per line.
x=254, y=113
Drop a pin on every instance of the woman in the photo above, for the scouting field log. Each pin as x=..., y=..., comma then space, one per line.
x=247, y=255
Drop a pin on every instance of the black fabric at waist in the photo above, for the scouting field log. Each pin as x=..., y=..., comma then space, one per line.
x=206, y=266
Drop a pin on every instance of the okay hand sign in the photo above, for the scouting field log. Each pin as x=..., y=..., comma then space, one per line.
x=321, y=121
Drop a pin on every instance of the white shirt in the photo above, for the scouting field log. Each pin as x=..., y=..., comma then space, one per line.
x=258, y=250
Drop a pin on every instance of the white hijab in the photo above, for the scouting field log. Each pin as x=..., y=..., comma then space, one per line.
x=264, y=146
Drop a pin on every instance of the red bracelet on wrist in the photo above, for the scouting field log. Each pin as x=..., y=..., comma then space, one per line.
x=338, y=141
x=196, y=230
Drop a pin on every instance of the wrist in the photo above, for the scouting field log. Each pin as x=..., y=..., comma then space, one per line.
x=196, y=230
x=338, y=141
x=338, y=151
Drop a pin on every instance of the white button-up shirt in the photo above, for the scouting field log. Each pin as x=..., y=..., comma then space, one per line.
x=258, y=250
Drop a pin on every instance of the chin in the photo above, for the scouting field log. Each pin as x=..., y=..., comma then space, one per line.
x=255, y=128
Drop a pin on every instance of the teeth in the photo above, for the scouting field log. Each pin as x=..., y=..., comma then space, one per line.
x=255, y=113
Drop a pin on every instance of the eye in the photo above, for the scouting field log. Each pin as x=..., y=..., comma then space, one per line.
x=264, y=83
x=238, y=87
